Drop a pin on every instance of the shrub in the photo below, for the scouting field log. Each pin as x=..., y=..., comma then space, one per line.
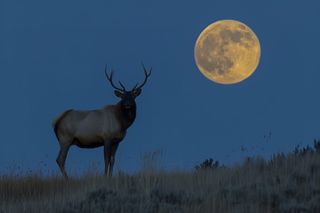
x=208, y=164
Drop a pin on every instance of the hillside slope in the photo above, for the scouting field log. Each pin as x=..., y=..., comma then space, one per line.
x=286, y=183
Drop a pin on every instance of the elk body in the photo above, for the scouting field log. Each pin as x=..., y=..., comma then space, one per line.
x=101, y=127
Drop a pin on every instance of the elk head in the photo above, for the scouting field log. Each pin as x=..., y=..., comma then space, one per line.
x=128, y=97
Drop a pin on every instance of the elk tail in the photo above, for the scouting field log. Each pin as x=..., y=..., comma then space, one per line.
x=57, y=121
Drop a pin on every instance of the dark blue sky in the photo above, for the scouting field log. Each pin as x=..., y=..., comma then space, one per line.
x=52, y=58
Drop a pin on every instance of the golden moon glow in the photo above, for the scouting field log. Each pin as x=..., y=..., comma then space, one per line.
x=227, y=52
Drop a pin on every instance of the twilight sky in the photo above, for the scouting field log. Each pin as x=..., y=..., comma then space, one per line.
x=52, y=58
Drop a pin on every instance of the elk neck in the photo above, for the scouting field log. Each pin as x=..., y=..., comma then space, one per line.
x=126, y=116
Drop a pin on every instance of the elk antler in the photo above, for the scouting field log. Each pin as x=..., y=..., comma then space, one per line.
x=146, y=76
x=109, y=78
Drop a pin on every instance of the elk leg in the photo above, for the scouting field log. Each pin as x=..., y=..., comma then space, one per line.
x=113, y=155
x=107, y=157
x=61, y=159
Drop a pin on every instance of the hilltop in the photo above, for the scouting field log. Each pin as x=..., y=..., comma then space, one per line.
x=285, y=183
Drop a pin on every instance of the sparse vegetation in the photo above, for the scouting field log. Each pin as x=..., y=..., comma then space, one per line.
x=208, y=164
x=286, y=183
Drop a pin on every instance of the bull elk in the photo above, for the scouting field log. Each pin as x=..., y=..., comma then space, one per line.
x=101, y=127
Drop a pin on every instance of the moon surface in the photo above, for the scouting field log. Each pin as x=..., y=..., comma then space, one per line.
x=227, y=52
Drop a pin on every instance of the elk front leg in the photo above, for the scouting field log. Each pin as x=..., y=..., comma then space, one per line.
x=61, y=159
x=107, y=157
x=113, y=157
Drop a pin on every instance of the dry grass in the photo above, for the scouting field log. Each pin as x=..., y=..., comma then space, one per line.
x=286, y=183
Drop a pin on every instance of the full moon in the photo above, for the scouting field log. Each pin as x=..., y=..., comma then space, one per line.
x=227, y=52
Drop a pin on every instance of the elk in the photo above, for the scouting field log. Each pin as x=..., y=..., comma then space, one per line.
x=101, y=127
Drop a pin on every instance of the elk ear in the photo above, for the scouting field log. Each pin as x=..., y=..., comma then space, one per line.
x=118, y=93
x=136, y=92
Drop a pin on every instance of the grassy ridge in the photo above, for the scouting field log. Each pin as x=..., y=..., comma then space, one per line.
x=286, y=183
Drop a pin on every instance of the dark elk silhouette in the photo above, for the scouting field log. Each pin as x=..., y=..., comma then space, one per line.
x=101, y=127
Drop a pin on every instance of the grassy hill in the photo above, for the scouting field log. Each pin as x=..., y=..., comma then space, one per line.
x=286, y=183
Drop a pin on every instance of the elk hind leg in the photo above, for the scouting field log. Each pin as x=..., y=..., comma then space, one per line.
x=61, y=159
